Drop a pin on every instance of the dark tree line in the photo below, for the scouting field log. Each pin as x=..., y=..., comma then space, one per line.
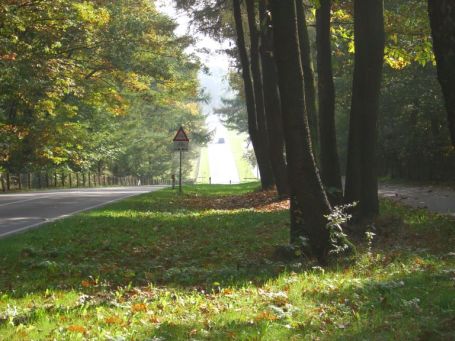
x=291, y=108
x=442, y=21
x=289, y=61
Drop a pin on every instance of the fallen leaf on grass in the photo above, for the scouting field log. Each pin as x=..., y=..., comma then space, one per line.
x=266, y=315
x=113, y=320
x=227, y=292
x=77, y=328
x=266, y=201
x=138, y=307
x=86, y=284
x=154, y=319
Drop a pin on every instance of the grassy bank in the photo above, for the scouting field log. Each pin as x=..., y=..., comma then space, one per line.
x=237, y=144
x=204, y=266
x=204, y=169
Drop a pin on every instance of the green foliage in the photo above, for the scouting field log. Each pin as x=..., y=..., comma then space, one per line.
x=82, y=81
x=407, y=32
x=233, y=111
x=413, y=140
x=338, y=218
x=170, y=271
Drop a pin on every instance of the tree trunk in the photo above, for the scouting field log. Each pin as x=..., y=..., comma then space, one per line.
x=442, y=21
x=361, y=177
x=307, y=193
x=257, y=87
x=328, y=153
x=272, y=103
x=259, y=148
x=308, y=75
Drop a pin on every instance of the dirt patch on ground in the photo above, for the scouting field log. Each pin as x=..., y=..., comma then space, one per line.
x=266, y=201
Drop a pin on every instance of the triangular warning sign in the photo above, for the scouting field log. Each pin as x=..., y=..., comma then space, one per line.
x=181, y=136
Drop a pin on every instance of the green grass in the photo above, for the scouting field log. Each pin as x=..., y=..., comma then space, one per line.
x=204, y=168
x=237, y=143
x=153, y=267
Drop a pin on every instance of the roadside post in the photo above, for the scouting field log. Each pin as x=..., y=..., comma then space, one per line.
x=181, y=142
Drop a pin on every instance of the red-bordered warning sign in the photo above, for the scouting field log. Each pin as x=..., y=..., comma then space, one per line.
x=181, y=136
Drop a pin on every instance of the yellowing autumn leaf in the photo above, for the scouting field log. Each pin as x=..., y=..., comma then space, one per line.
x=77, y=329
x=138, y=307
x=266, y=315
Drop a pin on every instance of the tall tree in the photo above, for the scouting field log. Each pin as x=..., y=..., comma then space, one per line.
x=328, y=154
x=442, y=20
x=258, y=93
x=308, y=75
x=361, y=177
x=309, y=202
x=272, y=102
x=260, y=148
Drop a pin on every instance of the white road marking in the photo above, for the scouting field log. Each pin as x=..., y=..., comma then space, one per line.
x=19, y=201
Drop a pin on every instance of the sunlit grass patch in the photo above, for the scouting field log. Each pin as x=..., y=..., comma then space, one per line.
x=151, y=267
x=237, y=143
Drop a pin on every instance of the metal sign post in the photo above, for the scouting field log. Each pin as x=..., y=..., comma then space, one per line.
x=181, y=142
x=180, y=173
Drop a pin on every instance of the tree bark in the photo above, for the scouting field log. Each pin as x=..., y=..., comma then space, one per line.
x=361, y=177
x=308, y=75
x=259, y=149
x=442, y=21
x=272, y=103
x=263, y=137
x=328, y=153
x=307, y=193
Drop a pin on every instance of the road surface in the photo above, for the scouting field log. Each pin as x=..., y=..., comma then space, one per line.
x=22, y=211
x=435, y=199
x=223, y=169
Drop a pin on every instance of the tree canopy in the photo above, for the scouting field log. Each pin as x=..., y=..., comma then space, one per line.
x=90, y=83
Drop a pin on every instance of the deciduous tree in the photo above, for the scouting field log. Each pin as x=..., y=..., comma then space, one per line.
x=442, y=20
x=309, y=201
x=361, y=173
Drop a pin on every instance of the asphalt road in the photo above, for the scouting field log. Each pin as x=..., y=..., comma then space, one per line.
x=223, y=169
x=435, y=199
x=22, y=211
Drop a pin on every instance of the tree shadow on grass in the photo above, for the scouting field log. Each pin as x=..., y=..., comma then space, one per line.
x=173, y=247
x=165, y=248
x=414, y=306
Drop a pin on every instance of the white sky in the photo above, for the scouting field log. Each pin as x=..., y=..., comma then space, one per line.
x=215, y=82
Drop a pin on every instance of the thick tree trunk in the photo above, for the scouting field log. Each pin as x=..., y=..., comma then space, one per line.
x=328, y=153
x=442, y=21
x=259, y=149
x=272, y=103
x=267, y=171
x=361, y=177
x=308, y=75
x=307, y=193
